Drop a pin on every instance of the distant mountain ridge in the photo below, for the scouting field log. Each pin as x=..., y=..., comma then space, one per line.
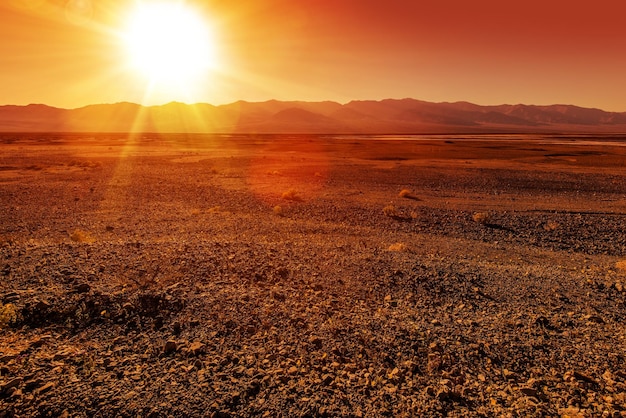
x=389, y=116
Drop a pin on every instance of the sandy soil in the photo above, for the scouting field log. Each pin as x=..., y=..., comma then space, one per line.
x=259, y=276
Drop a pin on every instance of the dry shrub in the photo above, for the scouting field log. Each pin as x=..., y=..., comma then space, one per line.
x=291, y=194
x=278, y=210
x=397, y=247
x=195, y=212
x=481, y=217
x=8, y=314
x=390, y=211
x=407, y=194
x=81, y=236
x=550, y=226
x=621, y=265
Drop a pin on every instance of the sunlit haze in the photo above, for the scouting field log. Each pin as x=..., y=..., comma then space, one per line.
x=169, y=43
x=78, y=52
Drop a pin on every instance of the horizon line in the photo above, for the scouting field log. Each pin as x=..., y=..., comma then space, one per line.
x=307, y=101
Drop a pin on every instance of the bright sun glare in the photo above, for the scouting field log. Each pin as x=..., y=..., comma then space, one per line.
x=169, y=42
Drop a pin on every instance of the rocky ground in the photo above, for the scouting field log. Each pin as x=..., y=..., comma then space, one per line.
x=258, y=276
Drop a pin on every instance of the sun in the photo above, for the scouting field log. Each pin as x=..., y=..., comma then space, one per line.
x=168, y=42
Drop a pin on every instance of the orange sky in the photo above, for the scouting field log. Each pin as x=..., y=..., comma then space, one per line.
x=65, y=53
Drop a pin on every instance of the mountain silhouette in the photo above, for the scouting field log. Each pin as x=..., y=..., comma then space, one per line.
x=387, y=116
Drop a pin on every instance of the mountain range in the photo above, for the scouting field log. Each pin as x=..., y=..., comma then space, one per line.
x=390, y=116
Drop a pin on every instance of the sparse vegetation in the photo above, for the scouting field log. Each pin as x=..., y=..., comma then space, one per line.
x=390, y=211
x=550, y=226
x=404, y=193
x=8, y=314
x=481, y=217
x=397, y=247
x=81, y=236
x=407, y=194
x=291, y=194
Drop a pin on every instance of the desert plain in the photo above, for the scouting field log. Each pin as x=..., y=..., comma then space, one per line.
x=309, y=275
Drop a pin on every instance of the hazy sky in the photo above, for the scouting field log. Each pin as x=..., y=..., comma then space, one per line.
x=68, y=53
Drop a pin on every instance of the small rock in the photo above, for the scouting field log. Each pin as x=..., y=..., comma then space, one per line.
x=595, y=319
x=32, y=384
x=316, y=341
x=197, y=348
x=253, y=388
x=509, y=375
x=117, y=340
x=11, y=297
x=530, y=392
x=571, y=412
x=7, y=358
x=283, y=273
x=277, y=295
x=327, y=379
x=45, y=388
x=436, y=347
x=608, y=377
x=10, y=384
x=391, y=389
x=435, y=362
x=61, y=355
x=42, y=306
x=583, y=377
x=443, y=393
x=170, y=347
x=41, y=341
x=82, y=288
x=534, y=383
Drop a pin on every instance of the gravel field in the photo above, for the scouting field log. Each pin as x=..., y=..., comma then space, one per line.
x=304, y=276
